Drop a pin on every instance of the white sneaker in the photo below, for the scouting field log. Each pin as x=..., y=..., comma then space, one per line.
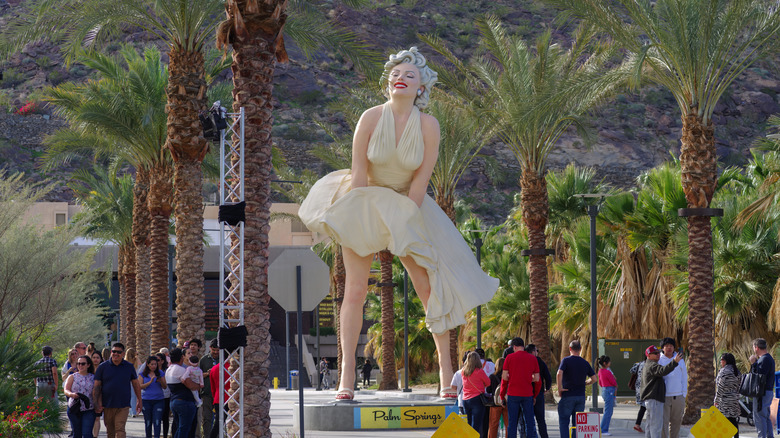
x=606, y=433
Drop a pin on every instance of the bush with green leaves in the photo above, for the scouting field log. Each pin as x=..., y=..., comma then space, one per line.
x=56, y=77
x=11, y=78
x=44, y=62
x=47, y=286
x=17, y=391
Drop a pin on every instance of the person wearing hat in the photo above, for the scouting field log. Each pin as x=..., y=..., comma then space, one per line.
x=653, y=390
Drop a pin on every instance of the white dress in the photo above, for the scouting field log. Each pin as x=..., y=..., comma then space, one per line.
x=382, y=216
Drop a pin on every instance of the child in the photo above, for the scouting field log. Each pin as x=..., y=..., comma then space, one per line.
x=195, y=374
x=608, y=385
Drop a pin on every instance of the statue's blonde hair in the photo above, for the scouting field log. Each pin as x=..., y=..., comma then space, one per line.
x=428, y=77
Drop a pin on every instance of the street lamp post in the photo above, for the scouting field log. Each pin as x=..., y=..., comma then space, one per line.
x=406, y=332
x=593, y=211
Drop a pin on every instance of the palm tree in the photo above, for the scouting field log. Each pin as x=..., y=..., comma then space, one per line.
x=122, y=115
x=655, y=225
x=632, y=267
x=462, y=139
x=765, y=170
x=184, y=26
x=695, y=49
x=511, y=90
x=745, y=271
x=108, y=212
x=255, y=31
x=389, y=380
x=571, y=311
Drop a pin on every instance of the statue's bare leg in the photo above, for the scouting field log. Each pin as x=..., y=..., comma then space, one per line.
x=422, y=286
x=351, y=316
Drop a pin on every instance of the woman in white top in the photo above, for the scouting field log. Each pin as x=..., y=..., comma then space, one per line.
x=78, y=389
x=182, y=401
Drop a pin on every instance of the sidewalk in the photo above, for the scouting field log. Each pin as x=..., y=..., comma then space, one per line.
x=285, y=403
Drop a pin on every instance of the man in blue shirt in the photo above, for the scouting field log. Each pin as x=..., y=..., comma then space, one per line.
x=574, y=374
x=762, y=362
x=113, y=380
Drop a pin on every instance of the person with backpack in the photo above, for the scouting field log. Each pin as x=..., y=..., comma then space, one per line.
x=763, y=363
x=635, y=383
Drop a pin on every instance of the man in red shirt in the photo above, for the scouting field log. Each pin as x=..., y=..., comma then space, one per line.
x=519, y=387
x=214, y=382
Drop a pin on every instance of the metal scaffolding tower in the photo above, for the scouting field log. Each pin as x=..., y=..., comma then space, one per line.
x=231, y=251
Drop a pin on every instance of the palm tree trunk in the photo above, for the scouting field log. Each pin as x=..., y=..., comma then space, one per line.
x=389, y=380
x=141, y=224
x=699, y=176
x=454, y=357
x=253, y=69
x=142, y=317
x=160, y=208
x=447, y=204
x=534, y=199
x=186, y=92
x=120, y=278
x=130, y=289
x=340, y=279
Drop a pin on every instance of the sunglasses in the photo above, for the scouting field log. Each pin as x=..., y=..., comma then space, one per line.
x=117, y=351
x=81, y=363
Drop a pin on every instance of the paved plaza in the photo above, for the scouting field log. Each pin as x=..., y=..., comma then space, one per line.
x=284, y=404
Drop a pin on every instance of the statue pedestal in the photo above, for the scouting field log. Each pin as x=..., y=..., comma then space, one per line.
x=378, y=410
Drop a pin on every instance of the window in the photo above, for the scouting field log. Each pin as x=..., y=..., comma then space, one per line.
x=299, y=227
x=60, y=219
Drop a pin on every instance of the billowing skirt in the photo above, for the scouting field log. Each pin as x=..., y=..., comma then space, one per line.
x=370, y=219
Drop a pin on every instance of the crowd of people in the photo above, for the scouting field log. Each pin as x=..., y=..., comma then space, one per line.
x=116, y=383
x=513, y=390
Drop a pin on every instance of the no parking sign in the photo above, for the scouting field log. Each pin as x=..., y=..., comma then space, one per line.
x=588, y=424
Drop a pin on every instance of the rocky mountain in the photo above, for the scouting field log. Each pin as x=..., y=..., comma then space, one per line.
x=634, y=132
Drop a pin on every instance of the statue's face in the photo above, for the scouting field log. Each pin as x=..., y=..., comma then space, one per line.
x=404, y=80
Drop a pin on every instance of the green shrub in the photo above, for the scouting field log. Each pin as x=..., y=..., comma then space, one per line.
x=300, y=133
x=78, y=71
x=39, y=417
x=16, y=391
x=426, y=378
x=636, y=108
x=55, y=77
x=6, y=104
x=310, y=97
x=43, y=62
x=11, y=78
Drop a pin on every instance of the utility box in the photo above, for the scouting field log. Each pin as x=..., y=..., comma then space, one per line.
x=624, y=353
